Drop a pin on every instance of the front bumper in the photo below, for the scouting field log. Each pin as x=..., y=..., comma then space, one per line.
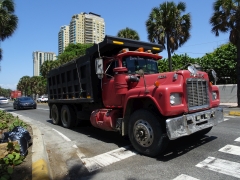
x=191, y=123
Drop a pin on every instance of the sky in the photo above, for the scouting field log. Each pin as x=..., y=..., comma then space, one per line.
x=40, y=22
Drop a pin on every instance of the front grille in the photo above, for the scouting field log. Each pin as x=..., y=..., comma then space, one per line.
x=197, y=94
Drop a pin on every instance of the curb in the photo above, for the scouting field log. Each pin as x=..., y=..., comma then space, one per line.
x=234, y=113
x=40, y=164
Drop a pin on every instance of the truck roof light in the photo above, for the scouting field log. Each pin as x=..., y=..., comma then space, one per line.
x=117, y=42
x=124, y=50
x=156, y=48
x=149, y=51
x=140, y=49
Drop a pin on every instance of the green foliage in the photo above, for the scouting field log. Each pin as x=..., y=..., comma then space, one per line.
x=5, y=92
x=223, y=61
x=178, y=61
x=128, y=33
x=24, y=85
x=17, y=122
x=73, y=51
x=8, y=20
x=13, y=158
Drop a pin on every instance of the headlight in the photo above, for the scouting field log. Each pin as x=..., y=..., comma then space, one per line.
x=214, y=95
x=175, y=99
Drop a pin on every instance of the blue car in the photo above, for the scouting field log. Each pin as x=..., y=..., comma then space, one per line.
x=24, y=103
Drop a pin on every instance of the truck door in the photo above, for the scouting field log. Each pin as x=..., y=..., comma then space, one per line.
x=110, y=98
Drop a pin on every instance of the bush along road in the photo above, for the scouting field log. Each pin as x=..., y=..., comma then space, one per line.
x=15, y=138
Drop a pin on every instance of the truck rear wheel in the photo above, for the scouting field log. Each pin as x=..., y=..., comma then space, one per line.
x=146, y=134
x=68, y=117
x=55, y=114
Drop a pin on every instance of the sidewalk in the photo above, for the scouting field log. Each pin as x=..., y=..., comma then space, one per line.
x=230, y=109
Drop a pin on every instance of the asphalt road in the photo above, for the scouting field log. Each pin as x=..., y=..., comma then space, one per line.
x=89, y=153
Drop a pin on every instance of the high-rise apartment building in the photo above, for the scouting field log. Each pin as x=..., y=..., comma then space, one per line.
x=39, y=58
x=86, y=28
x=63, y=38
x=83, y=28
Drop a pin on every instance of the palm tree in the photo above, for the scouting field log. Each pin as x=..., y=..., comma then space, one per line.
x=167, y=25
x=24, y=85
x=8, y=21
x=128, y=33
x=226, y=18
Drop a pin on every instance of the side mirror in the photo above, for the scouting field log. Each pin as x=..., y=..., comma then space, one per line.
x=99, y=67
x=214, y=74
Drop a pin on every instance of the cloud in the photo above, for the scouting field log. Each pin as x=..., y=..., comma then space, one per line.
x=9, y=86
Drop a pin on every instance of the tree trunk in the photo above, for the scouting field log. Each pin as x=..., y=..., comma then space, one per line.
x=169, y=54
x=238, y=70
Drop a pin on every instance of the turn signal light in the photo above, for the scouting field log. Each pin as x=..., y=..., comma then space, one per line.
x=140, y=49
x=157, y=83
x=210, y=83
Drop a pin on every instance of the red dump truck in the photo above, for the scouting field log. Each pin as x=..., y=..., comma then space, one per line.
x=118, y=87
x=16, y=94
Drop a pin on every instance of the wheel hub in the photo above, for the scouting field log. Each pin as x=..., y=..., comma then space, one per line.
x=143, y=133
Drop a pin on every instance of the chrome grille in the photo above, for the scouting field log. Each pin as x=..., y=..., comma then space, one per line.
x=197, y=94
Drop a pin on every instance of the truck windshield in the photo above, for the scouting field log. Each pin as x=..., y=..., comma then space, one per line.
x=135, y=63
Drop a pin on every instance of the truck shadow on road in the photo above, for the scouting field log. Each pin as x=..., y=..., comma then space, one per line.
x=174, y=149
x=87, y=129
x=184, y=145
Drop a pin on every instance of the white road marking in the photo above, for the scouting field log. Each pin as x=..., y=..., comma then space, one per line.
x=15, y=114
x=64, y=137
x=43, y=109
x=106, y=159
x=231, y=149
x=226, y=119
x=222, y=166
x=238, y=139
x=185, y=177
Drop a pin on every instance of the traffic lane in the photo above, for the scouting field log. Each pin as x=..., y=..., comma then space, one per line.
x=181, y=157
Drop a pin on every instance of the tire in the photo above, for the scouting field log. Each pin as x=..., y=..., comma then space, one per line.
x=55, y=114
x=145, y=124
x=203, y=132
x=68, y=117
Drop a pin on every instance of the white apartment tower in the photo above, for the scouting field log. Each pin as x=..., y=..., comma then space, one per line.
x=63, y=38
x=39, y=58
x=86, y=28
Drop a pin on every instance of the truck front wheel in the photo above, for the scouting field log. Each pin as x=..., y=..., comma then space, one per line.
x=68, y=117
x=55, y=114
x=146, y=134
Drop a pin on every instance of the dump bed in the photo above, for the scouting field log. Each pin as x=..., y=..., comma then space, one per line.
x=77, y=82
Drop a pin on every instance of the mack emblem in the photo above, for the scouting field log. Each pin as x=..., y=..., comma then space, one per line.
x=162, y=76
x=197, y=75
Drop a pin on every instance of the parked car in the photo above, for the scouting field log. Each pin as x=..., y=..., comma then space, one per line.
x=43, y=98
x=3, y=100
x=24, y=103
